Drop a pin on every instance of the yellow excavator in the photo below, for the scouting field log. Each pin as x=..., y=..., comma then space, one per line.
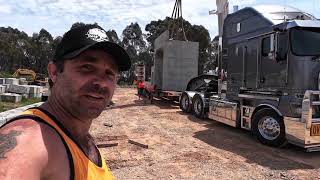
x=32, y=77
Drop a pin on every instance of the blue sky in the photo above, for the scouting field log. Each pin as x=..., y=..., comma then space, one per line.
x=57, y=16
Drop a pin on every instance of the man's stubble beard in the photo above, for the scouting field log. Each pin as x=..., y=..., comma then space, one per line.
x=79, y=109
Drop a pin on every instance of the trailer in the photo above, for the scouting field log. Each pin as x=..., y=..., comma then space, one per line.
x=175, y=62
x=269, y=76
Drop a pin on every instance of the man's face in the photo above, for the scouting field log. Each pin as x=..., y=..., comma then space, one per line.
x=86, y=85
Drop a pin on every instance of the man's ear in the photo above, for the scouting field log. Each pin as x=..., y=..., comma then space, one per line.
x=52, y=71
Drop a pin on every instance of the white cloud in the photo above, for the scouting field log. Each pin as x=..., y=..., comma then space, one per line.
x=5, y=9
x=57, y=16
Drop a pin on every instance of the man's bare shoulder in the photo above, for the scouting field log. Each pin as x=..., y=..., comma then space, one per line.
x=24, y=132
x=29, y=149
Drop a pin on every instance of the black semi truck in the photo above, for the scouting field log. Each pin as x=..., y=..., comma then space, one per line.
x=269, y=77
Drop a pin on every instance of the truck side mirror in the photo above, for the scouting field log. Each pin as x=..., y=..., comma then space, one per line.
x=272, y=43
x=281, y=47
x=273, y=54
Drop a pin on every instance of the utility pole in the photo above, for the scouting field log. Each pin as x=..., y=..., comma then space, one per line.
x=222, y=12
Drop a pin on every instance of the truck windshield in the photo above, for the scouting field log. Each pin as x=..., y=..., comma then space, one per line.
x=305, y=42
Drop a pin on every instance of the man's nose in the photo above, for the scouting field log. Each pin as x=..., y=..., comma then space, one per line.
x=101, y=81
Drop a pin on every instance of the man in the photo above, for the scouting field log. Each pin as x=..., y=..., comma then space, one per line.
x=53, y=141
x=140, y=89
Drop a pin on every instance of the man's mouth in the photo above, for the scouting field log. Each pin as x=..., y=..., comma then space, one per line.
x=95, y=97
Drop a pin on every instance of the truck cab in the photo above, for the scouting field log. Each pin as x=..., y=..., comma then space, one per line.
x=271, y=55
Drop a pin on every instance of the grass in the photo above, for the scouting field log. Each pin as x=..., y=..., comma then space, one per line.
x=5, y=106
x=5, y=74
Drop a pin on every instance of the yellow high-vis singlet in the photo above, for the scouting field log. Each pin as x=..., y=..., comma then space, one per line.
x=81, y=168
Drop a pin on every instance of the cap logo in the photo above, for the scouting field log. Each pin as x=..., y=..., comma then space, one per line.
x=97, y=34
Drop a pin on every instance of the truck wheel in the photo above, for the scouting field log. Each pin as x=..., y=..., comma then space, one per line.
x=198, y=108
x=269, y=128
x=185, y=104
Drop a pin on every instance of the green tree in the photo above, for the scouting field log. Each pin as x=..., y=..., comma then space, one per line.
x=154, y=29
x=13, y=44
x=113, y=36
x=18, y=50
x=132, y=36
x=211, y=64
x=134, y=44
x=200, y=34
x=42, y=51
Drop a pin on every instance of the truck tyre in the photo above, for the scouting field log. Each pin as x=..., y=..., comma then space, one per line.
x=198, y=107
x=269, y=128
x=185, y=104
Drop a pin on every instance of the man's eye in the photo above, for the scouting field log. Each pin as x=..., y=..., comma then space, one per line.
x=86, y=68
x=110, y=76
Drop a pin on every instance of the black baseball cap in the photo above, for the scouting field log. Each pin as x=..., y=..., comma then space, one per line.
x=84, y=37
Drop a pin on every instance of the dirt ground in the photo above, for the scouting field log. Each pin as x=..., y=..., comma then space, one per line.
x=181, y=146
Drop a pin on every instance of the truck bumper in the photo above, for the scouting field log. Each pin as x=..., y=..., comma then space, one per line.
x=305, y=131
x=297, y=133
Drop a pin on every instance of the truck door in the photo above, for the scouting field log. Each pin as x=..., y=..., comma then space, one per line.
x=245, y=63
x=273, y=72
x=250, y=64
x=234, y=70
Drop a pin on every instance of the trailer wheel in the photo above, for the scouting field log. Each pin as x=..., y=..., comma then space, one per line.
x=269, y=128
x=185, y=104
x=198, y=107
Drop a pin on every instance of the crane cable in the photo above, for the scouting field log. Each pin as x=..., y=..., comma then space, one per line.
x=176, y=16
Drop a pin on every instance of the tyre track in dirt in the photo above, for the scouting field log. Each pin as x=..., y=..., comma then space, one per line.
x=181, y=146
